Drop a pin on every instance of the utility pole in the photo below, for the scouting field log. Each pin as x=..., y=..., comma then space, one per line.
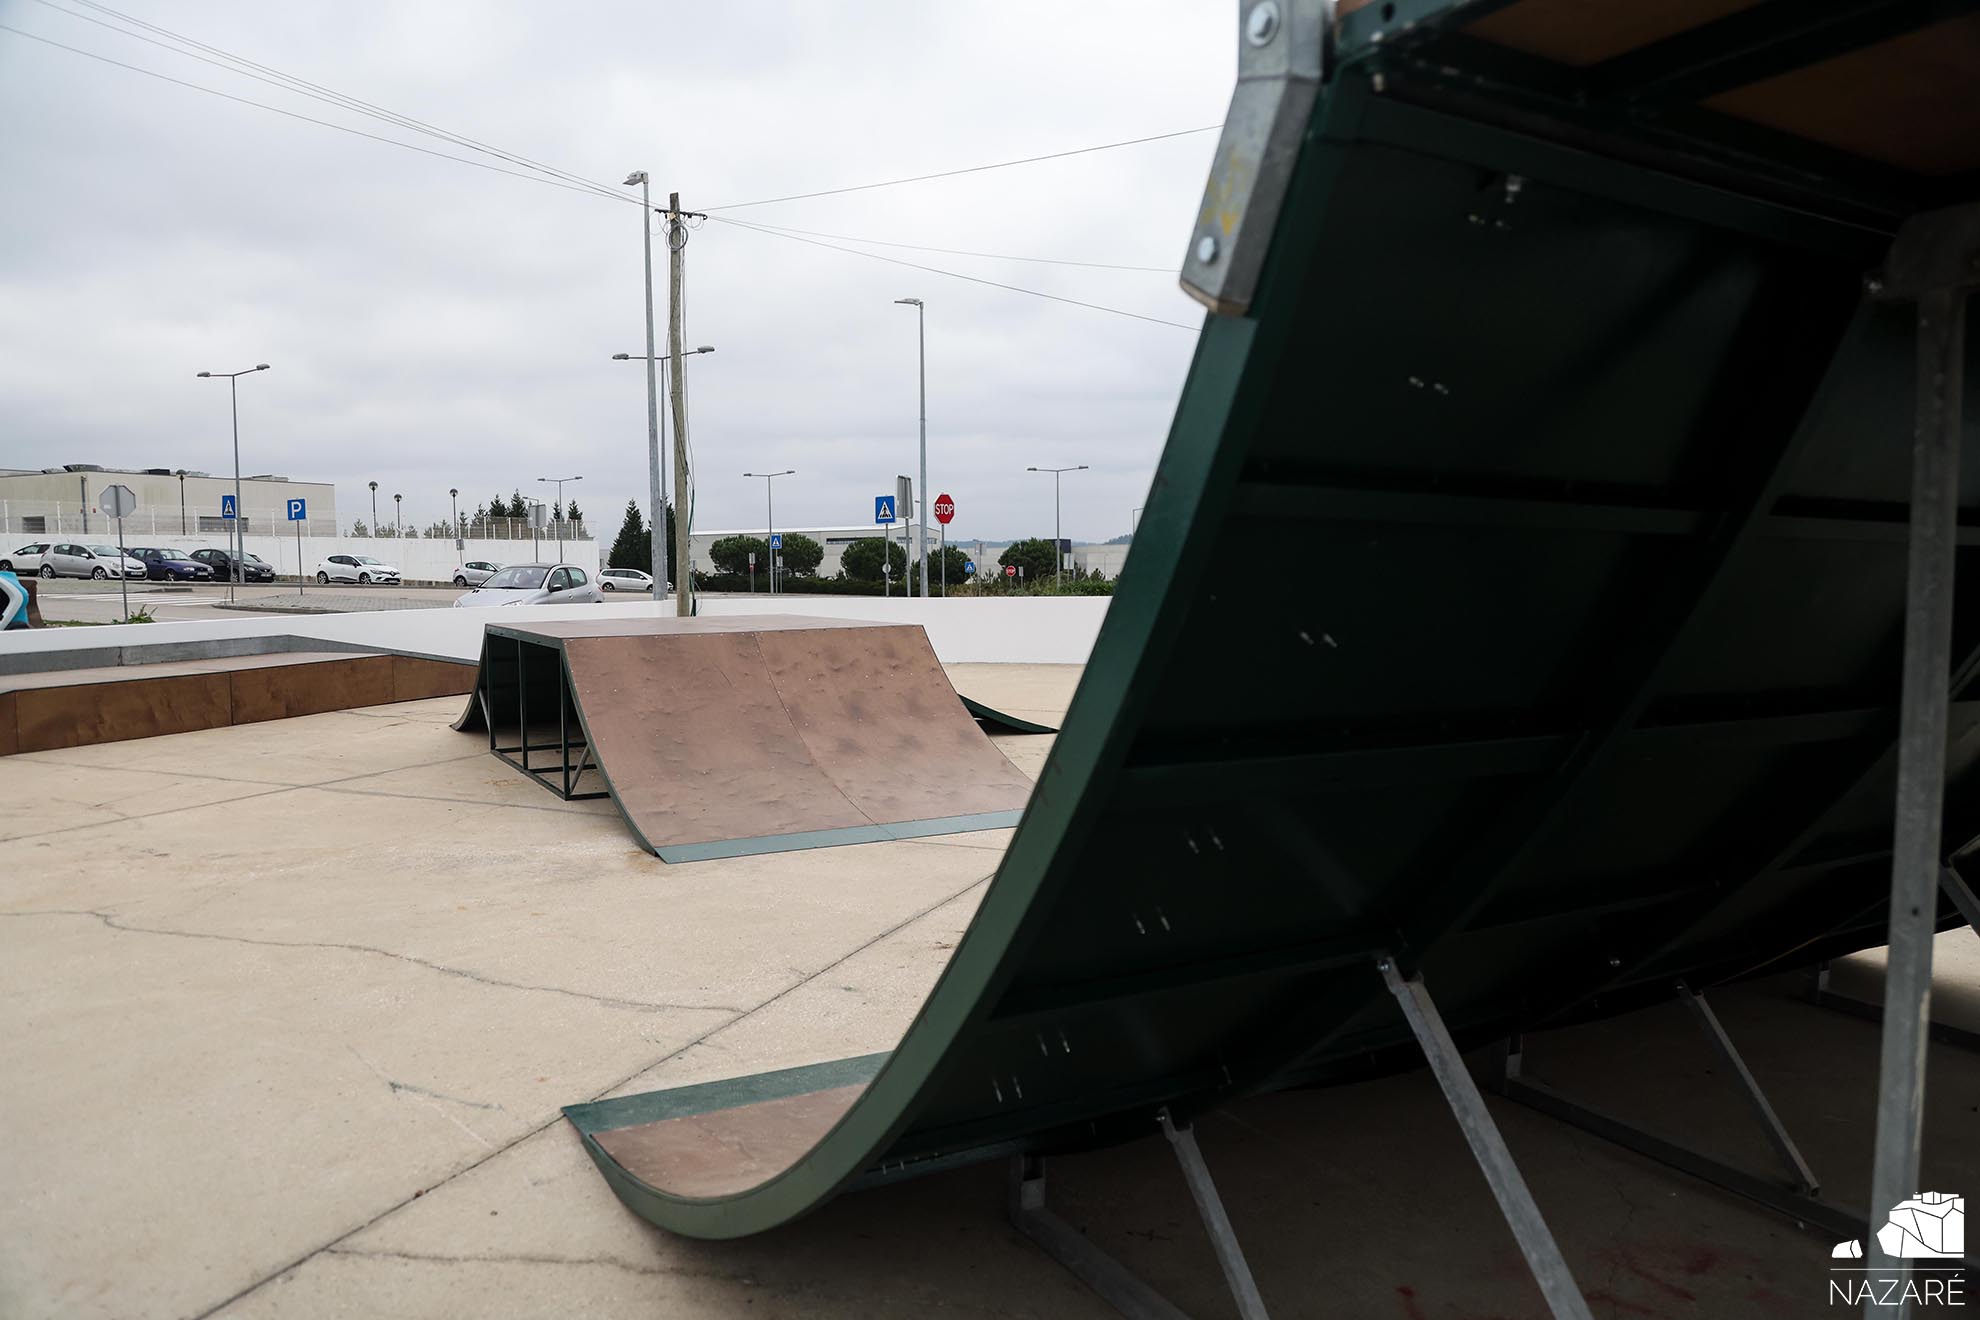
x=677, y=236
x=921, y=527
x=656, y=481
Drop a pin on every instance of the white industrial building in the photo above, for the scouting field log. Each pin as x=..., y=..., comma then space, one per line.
x=64, y=501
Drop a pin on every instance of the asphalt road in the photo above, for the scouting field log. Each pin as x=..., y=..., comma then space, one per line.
x=79, y=601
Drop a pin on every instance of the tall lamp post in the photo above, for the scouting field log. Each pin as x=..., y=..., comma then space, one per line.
x=1058, y=556
x=770, y=516
x=558, y=509
x=240, y=541
x=921, y=526
x=454, y=495
x=656, y=430
x=181, y=475
x=374, y=508
x=656, y=480
x=398, y=528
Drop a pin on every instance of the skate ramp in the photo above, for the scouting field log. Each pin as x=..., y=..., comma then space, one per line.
x=1519, y=596
x=727, y=737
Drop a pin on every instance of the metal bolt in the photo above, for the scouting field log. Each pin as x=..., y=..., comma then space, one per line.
x=1206, y=249
x=1262, y=24
x=1380, y=83
x=1873, y=285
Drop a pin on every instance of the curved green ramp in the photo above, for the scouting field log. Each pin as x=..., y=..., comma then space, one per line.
x=1584, y=462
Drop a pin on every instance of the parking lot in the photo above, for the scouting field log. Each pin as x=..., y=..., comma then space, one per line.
x=74, y=601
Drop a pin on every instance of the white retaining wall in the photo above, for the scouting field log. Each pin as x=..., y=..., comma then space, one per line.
x=1017, y=630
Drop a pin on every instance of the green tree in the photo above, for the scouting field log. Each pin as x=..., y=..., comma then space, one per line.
x=556, y=511
x=518, y=506
x=634, y=546
x=359, y=529
x=952, y=561
x=498, y=507
x=802, y=555
x=731, y=554
x=862, y=559
x=1034, y=557
x=571, y=512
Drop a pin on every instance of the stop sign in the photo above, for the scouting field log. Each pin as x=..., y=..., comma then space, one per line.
x=945, y=508
x=1010, y=570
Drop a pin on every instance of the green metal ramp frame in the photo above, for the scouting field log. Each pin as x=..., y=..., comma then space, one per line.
x=1593, y=440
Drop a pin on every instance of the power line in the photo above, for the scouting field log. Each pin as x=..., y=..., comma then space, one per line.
x=244, y=67
x=324, y=123
x=954, y=275
x=959, y=252
x=971, y=169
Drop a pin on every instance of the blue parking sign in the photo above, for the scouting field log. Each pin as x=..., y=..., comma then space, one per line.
x=883, y=508
x=295, y=511
x=226, y=506
x=776, y=540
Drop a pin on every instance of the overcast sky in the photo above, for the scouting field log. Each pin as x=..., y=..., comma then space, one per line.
x=434, y=325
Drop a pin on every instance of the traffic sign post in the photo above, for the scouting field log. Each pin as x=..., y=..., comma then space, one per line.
x=298, y=511
x=883, y=514
x=945, y=509
x=752, y=572
x=776, y=561
x=118, y=501
x=230, y=510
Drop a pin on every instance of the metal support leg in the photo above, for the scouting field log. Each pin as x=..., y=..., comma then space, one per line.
x=1932, y=261
x=1777, y=1133
x=1120, y=1286
x=1536, y=1241
x=1211, y=1207
x=1107, y=1276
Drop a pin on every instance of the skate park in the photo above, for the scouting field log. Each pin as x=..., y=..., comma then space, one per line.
x=1469, y=930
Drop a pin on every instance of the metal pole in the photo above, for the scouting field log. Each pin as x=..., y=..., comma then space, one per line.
x=1210, y=1206
x=921, y=527
x=656, y=478
x=240, y=542
x=676, y=241
x=770, y=516
x=300, y=574
x=1057, y=559
x=1488, y=1146
x=182, y=503
x=123, y=583
x=1922, y=714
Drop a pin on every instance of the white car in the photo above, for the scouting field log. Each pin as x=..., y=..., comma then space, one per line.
x=73, y=559
x=535, y=584
x=356, y=568
x=475, y=572
x=625, y=579
x=27, y=559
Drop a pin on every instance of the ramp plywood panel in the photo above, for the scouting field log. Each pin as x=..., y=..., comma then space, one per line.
x=81, y=714
x=729, y=736
x=9, y=730
x=414, y=679
x=726, y=1151
x=278, y=692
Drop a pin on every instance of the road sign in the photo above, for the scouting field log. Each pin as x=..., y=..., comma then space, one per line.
x=752, y=559
x=945, y=508
x=227, y=506
x=776, y=540
x=969, y=566
x=883, y=508
x=117, y=501
x=296, y=513
x=1010, y=570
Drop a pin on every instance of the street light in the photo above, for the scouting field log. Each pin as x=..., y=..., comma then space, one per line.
x=181, y=475
x=455, y=495
x=374, y=508
x=1058, y=556
x=656, y=429
x=558, y=482
x=921, y=527
x=398, y=529
x=770, y=516
x=240, y=540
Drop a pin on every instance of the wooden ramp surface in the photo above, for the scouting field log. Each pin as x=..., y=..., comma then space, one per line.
x=727, y=737
x=78, y=707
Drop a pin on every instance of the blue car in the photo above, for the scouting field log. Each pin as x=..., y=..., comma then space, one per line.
x=170, y=565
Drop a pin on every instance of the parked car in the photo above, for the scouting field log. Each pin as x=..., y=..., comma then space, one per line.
x=221, y=562
x=356, y=568
x=475, y=572
x=74, y=559
x=624, y=579
x=167, y=565
x=27, y=559
x=536, y=584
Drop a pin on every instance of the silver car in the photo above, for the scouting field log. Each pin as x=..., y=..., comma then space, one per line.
x=625, y=579
x=72, y=559
x=536, y=584
x=475, y=572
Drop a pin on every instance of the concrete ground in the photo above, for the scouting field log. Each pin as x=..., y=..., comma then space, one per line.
x=290, y=1008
